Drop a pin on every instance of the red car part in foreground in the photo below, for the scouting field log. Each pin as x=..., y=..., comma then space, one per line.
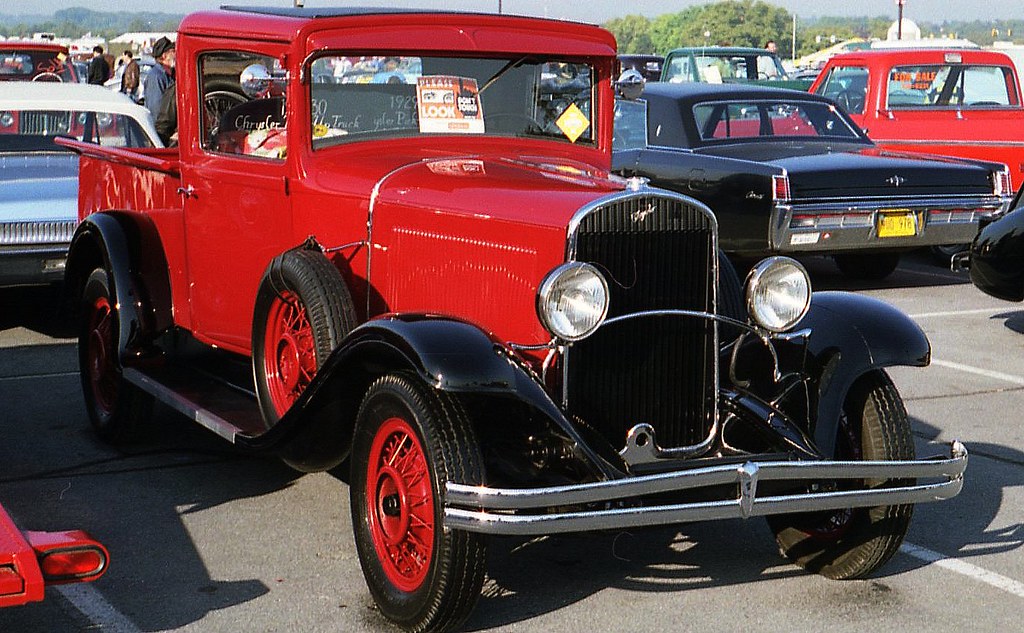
x=29, y=561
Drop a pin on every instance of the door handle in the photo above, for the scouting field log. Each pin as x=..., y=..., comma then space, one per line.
x=188, y=192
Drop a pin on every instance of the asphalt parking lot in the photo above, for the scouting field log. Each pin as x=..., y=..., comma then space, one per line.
x=205, y=539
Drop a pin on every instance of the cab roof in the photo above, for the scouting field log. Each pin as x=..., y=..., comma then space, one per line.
x=382, y=27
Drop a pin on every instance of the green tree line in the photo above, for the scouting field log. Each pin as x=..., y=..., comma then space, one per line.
x=753, y=22
x=77, y=21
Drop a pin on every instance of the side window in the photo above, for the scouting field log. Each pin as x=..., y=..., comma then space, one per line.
x=243, y=104
x=986, y=86
x=847, y=86
x=678, y=70
x=630, y=125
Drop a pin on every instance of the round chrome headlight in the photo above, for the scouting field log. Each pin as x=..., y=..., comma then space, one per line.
x=6, y=119
x=778, y=293
x=573, y=301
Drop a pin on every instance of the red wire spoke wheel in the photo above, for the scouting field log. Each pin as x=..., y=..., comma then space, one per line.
x=100, y=350
x=290, y=362
x=117, y=409
x=410, y=441
x=401, y=509
x=853, y=543
x=303, y=311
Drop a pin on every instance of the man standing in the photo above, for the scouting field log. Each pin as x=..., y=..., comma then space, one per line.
x=99, y=71
x=160, y=76
x=130, y=76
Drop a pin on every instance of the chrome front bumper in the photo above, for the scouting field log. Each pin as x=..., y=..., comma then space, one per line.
x=538, y=511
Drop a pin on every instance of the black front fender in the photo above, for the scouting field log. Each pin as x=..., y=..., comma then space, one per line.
x=851, y=335
x=447, y=354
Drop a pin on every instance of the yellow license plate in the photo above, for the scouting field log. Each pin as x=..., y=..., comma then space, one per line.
x=899, y=224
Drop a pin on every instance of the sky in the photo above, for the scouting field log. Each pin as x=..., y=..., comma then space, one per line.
x=595, y=11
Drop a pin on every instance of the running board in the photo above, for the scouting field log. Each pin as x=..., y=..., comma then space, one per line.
x=228, y=412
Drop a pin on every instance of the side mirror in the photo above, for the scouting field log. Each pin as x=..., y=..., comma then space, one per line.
x=630, y=85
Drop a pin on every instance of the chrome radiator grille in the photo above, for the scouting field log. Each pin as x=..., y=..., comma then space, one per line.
x=658, y=254
x=45, y=123
x=24, y=233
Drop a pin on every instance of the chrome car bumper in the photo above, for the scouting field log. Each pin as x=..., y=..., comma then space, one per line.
x=808, y=228
x=538, y=511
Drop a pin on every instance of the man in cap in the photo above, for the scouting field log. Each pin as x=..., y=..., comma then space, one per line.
x=160, y=76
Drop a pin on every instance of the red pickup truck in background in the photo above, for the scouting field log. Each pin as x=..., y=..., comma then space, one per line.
x=961, y=102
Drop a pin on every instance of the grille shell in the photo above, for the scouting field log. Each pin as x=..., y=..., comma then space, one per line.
x=658, y=252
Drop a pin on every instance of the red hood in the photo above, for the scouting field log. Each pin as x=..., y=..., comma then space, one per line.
x=528, y=190
x=468, y=236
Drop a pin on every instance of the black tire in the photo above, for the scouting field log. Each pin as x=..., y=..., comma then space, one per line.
x=846, y=544
x=944, y=253
x=430, y=431
x=871, y=266
x=116, y=408
x=730, y=299
x=303, y=311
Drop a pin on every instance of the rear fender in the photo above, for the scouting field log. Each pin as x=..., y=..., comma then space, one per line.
x=128, y=246
x=445, y=353
x=851, y=336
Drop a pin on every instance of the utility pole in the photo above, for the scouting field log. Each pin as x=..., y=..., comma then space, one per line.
x=499, y=7
x=793, y=50
x=899, y=20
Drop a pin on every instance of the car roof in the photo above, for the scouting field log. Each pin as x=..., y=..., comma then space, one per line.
x=694, y=91
x=354, y=27
x=925, y=55
x=32, y=45
x=720, y=50
x=50, y=95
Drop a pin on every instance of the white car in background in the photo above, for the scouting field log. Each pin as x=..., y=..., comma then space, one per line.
x=39, y=179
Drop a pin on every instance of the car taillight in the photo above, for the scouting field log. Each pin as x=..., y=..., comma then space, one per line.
x=71, y=556
x=1002, y=185
x=780, y=188
x=73, y=564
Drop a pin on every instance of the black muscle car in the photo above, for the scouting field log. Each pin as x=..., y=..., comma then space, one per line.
x=789, y=172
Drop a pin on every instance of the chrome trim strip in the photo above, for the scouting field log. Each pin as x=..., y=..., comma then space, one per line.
x=641, y=190
x=485, y=510
x=907, y=141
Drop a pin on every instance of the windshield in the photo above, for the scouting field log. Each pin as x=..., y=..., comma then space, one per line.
x=723, y=68
x=34, y=130
x=27, y=65
x=355, y=98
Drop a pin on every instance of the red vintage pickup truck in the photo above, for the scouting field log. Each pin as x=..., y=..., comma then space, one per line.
x=953, y=102
x=401, y=246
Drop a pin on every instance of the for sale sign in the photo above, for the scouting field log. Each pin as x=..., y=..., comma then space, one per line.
x=449, y=105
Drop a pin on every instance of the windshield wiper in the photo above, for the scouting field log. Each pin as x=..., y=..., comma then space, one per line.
x=516, y=63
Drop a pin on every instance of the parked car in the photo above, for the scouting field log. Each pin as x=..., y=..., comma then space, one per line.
x=439, y=280
x=996, y=257
x=728, y=64
x=39, y=179
x=35, y=61
x=31, y=561
x=954, y=102
x=649, y=66
x=790, y=173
